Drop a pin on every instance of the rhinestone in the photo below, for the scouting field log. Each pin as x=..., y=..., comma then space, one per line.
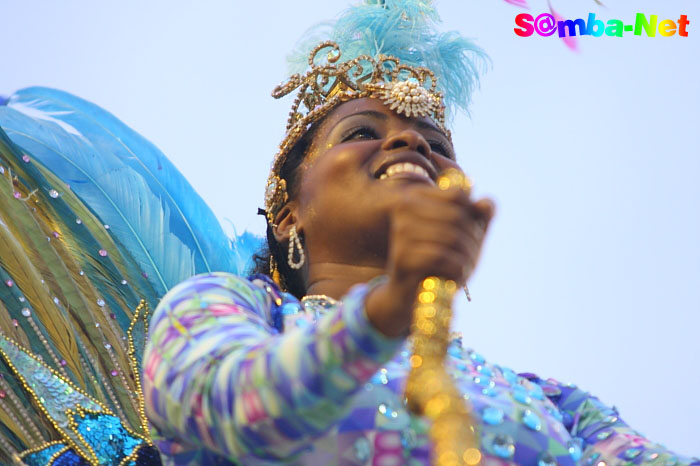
x=9, y=283
x=546, y=459
x=16, y=195
x=56, y=234
x=114, y=373
x=603, y=435
x=53, y=193
x=78, y=221
x=2, y=170
x=632, y=453
x=101, y=302
x=362, y=449
x=333, y=54
x=2, y=394
x=492, y=416
x=106, y=227
x=81, y=273
x=503, y=446
x=611, y=419
x=26, y=158
x=592, y=459
x=97, y=325
x=22, y=299
x=520, y=395
x=108, y=346
x=55, y=300
x=477, y=358
x=124, y=282
x=575, y=451
x=15, y=323
x=26, y=312
x=490, y=391
x=652, y=456
x=531, y=420
x=63, y=362
x=485, y=370
x=102, y=252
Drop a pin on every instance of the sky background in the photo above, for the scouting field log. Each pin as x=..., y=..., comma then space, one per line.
x=591, y=272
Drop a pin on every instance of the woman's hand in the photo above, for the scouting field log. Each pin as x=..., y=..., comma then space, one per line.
x=433, y=233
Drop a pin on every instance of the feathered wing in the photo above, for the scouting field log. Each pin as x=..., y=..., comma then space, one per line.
x=95, y=226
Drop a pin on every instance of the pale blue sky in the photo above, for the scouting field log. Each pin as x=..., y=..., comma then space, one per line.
x=591, y=273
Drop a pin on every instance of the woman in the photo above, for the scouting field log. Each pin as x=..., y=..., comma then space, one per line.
x=238, y=371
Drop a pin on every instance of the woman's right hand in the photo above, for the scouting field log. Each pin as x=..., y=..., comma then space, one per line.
x=433, y=233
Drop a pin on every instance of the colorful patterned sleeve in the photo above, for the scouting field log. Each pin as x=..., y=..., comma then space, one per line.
x=219, y=373
x=603, y=439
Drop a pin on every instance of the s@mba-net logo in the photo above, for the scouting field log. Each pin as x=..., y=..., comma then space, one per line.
x=546, y=25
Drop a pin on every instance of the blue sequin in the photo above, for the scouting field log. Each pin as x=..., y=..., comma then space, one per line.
x=575, y=451
x=520, y=394
x=477, y=358
x=532, y=420
x=41, y=457
x=493, y=416
x=110, y=441
x=632, y=453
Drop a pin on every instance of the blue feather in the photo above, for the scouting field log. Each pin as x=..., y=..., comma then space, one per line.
x=407, y=30
x=152, y=211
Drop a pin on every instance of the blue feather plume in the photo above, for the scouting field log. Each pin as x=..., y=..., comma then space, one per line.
x=406, y=29
x=152, y=211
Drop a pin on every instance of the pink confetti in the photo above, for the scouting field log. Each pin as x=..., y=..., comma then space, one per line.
x=520, y=3
x=569, y=41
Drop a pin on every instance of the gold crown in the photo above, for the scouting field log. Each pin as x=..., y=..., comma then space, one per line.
x=407, y=90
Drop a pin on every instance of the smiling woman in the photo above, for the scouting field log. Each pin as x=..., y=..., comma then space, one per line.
x=336, y=348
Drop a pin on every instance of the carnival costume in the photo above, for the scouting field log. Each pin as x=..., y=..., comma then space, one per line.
x=96, y=226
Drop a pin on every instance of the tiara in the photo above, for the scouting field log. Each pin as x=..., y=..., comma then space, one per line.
x=407, y=90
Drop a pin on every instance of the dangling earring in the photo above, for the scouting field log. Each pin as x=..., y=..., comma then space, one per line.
x=294, y=241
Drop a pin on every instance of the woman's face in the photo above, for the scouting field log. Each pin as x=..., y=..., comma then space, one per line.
x=362, y=158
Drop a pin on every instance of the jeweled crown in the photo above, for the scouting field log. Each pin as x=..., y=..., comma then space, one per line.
x=407, y=90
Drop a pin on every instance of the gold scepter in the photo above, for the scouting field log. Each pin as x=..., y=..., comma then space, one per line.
x=430, y=390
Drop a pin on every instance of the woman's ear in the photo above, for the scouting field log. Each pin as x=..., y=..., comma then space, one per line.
x=285, y=219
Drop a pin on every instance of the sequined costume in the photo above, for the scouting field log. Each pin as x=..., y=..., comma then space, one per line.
x=237, y=372
x=95, y=226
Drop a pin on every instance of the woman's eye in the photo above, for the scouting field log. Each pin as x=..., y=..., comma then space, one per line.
x=360, y=134
x=440, y=148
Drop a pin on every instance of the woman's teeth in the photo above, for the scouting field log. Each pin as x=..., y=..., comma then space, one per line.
x=406, y=167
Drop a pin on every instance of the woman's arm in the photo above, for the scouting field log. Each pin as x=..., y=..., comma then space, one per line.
x=601, y=434
x=218, y=375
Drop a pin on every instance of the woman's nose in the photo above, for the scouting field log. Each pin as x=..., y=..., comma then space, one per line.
x=409, y=140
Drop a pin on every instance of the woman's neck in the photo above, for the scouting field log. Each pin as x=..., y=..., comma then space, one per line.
x=334, y=279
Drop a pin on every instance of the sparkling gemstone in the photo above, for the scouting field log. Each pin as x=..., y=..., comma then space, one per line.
x=53, y=193
x=490, y=391
x=611, y=419
x=124, y=282
x=532, y=420
x=56, y=234
x=9, y=283
x=492, y=416
x=546, y=459
x=652, y=456
x=603, y=435
x=2, y=394
x=477, y=358
x=485, y=370
x=22, y=299
x=63, y=362
x=101, y=302
x=26, y=158
x=632, y=453
x=520, y=395
x=26, y=312
x=78, y=221
x=102, y=252
x=2, y=170
x=16, y=195
x=575, y=450
x=108, y=346
x=503, y=446
x=15, y=323
x=81, y=273
x=106, y=227
x=97, y=325
x=333, y=54
x=55, y=300
x=114, y=373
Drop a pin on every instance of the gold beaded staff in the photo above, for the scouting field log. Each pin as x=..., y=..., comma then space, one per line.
x=430, y=390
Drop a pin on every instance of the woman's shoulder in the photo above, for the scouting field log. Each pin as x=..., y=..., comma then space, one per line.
x=256, y=293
